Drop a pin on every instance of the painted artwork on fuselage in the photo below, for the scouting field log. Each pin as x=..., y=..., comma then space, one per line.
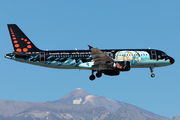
x=132, y=56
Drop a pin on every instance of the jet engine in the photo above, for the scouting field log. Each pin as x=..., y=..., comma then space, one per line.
x=111, y=72
x=120, y=65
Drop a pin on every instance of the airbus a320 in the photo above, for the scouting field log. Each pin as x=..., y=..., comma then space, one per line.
x=108, y=62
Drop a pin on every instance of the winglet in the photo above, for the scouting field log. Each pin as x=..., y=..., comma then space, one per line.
x=90, y=47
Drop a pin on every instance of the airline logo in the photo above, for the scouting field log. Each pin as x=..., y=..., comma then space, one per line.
x=17, y=45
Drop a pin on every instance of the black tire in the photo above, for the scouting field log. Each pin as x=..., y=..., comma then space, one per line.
x=92, y=77
x=98, y=74
x=152, y=75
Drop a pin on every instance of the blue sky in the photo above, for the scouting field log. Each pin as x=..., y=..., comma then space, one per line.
x=64, y=25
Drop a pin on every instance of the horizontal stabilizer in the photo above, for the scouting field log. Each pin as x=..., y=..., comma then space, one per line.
x=20, y=53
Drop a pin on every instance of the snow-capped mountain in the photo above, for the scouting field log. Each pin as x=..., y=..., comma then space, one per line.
x=80, y=96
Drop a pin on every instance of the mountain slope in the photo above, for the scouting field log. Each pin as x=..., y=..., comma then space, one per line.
x=80, y=96
x=129, y=112
x=11, y=107
x=60, y=111
x=176, y=117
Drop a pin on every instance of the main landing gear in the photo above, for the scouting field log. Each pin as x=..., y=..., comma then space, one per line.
x=98, y=75
x=152, y=74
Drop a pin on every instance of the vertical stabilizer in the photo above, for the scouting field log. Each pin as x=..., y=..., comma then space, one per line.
x=20, y=41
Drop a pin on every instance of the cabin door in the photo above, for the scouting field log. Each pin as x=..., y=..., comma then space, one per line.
x=153, y=55
x=42, y=57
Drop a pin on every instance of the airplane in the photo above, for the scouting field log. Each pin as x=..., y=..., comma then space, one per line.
x=108, y=61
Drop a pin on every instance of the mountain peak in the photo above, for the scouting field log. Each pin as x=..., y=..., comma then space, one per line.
x=80, y=96
x=78, y=89
x=77, y=93
x=74, y=97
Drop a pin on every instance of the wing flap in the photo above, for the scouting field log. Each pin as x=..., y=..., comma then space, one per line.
x=99, y=57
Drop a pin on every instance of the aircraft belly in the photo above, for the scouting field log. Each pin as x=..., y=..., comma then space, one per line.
x=86, y=65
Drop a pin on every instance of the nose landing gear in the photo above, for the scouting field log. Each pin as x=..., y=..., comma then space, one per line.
x=152, y=74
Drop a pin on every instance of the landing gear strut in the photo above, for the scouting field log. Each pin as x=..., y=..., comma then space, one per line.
x=152, y=74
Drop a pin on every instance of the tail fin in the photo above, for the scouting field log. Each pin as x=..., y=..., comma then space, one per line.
x=20, y=41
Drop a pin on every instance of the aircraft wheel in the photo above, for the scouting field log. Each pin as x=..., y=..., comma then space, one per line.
x=92, y=77
x=98, y=74
x=152, y=75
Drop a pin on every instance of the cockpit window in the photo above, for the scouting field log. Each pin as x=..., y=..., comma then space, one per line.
x=164, y=54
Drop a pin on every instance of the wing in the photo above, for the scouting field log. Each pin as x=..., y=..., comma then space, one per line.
x=99, y=57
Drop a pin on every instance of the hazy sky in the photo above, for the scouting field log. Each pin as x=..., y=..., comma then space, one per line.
x=64, y=25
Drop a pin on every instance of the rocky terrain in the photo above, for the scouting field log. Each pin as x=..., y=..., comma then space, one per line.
x=77, y=105
x=176, y=117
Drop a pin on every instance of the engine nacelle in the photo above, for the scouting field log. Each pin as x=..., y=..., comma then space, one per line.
x=111, y=72
x=120, y=65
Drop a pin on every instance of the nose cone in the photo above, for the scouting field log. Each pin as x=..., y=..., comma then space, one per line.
x=171, y=60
